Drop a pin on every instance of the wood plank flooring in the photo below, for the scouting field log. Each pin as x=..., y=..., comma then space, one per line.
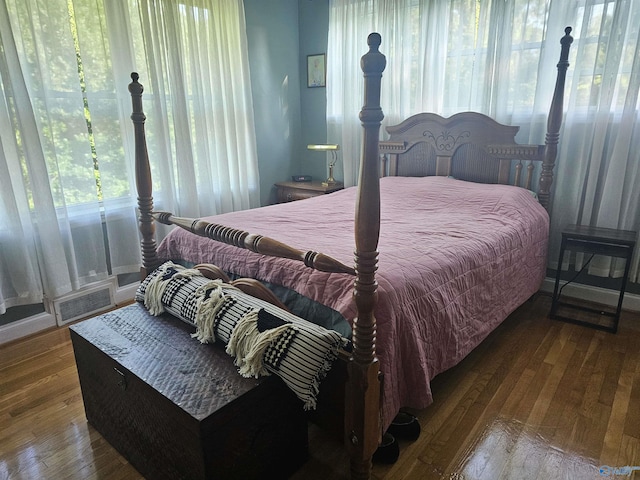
x=538, y=399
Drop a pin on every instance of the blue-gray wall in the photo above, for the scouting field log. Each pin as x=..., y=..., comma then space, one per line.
x=314, y=27
x=280, y=34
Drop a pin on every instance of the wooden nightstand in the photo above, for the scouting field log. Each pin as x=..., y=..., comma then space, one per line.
x=290, y=191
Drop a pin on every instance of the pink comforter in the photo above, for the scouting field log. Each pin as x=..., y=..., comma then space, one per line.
x=456, y=258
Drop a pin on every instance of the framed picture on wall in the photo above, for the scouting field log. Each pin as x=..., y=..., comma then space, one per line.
x=316, y=70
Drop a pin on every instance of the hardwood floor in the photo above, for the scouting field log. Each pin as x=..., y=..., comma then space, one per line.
x=538, y=399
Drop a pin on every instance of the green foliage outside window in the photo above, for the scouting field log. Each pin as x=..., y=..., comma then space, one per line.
x=73, y=99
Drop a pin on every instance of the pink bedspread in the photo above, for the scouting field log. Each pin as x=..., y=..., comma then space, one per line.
x=456, y=258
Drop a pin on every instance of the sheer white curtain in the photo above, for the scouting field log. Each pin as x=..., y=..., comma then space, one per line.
x=498, y=57
x=68, y=214
x=19, y=274
x=442, y=56
x=195, y=70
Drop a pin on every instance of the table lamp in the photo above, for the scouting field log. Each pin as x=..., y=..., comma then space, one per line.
x=334, y=158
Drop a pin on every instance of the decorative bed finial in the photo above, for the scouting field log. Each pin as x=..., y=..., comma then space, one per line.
x=135, y=87
x=373, y=62
x=565, y=43
x=374, y=40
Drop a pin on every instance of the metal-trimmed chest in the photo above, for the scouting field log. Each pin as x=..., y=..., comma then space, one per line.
x=178, y=409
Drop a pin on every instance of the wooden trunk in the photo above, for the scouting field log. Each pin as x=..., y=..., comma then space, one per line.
x=177, y=409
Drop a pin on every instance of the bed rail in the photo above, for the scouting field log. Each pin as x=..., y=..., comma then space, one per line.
x=254, y=242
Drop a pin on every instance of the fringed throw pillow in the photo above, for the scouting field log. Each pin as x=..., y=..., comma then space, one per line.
x=261, y=337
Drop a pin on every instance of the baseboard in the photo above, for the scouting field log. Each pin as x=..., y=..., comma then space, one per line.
x=126, y=294
x=26, y=326
x=35, y=323
x=595, y=294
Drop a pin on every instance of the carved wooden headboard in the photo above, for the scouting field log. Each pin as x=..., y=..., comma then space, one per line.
x=468, y=146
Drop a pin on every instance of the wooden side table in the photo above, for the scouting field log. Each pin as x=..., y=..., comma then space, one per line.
x=291, y=191
x=600, y=241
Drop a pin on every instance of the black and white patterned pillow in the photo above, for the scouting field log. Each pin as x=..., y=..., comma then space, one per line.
x=301, y=355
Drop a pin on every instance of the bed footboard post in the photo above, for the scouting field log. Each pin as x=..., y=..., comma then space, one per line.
x=362, y=409
x=554, y=122
x=143, y=181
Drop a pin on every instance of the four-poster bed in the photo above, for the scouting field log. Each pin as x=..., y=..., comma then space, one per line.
x=480, y=265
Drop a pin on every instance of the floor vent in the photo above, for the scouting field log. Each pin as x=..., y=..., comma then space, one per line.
x=85, y=302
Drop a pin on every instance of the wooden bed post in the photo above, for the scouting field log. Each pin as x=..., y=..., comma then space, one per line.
x=143, y=181
x=554, y=122
x=362, y=403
